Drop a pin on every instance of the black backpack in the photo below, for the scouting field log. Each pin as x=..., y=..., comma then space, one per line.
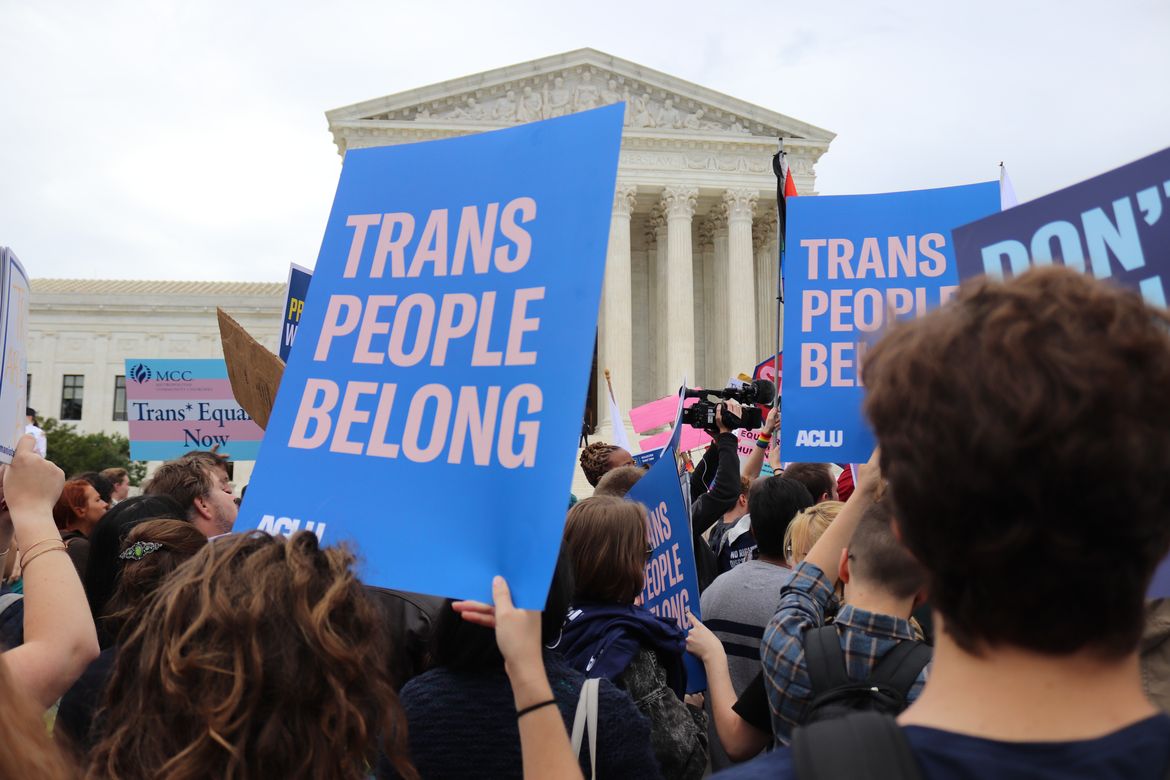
x=860, y=746
x=835, y=694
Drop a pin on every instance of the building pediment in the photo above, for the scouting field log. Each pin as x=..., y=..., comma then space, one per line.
x=657, y=104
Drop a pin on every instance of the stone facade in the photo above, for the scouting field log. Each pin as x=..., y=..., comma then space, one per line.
x=88, y=328
x=693, y=235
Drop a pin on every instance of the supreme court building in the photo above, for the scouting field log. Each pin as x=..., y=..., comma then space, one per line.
x=691, y=272
x=690, y=282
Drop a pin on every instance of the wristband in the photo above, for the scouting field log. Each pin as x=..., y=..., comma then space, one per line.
x=534, y=707
x=763, y=444
x=24, y=563
x=25, y=551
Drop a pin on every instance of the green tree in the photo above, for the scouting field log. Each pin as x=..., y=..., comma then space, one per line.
x=79, y=452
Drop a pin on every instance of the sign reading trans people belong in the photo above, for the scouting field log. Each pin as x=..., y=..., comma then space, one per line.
x=1115, y=226
x=432, y=412
x=853, y=260
x=178, y=406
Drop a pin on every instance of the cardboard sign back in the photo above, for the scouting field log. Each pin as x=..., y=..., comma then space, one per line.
x=253, y=371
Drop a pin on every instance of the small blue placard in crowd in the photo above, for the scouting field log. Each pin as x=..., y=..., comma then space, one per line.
x=294, y=306
x=672, y=579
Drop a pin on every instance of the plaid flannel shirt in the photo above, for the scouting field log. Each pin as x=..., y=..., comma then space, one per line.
x=865, y=638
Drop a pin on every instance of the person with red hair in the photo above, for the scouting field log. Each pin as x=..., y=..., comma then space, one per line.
x=76, y=513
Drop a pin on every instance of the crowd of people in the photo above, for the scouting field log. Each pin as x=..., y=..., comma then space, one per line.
x=970, y=603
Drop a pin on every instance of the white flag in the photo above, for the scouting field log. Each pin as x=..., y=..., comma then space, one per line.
x=620, y=437
x=1007, y=193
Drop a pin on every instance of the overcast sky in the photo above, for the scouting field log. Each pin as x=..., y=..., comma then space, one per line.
x=187, y=140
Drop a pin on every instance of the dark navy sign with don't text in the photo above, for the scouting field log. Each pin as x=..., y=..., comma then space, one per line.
x=852, y=262
x=1114, y=226
x=431, y=413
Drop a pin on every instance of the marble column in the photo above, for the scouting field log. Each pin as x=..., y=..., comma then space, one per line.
x=717, y=365
x=699, y=310
x=767, y=272
x=641, y=328
x=46, y=381
x=678, y=203
x=741, y=281
x=649, y=368
x=663, y=324
x=706, y=301
x=99, y=402
x=615, y=342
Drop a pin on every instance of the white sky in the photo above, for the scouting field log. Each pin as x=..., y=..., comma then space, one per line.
x=187, y=140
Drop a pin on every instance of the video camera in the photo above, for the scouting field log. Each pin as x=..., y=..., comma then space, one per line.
x=702, y=414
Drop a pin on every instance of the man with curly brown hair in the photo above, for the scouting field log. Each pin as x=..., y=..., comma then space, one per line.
x=1024, y=432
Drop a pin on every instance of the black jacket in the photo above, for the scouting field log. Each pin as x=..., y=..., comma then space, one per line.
x=722, y=461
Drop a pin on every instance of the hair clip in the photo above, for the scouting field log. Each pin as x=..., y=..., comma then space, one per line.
x=139, y=550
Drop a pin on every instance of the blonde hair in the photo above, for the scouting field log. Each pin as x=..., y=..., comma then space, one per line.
x=807, y=527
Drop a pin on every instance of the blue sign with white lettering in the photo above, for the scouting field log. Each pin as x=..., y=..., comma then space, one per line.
x=1114, y=226
x=851, y=262
x=432, y=412
x=294, y=306
x=672, y=580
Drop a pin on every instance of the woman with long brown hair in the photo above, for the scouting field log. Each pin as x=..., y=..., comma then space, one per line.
x=152, y=551
x=607, y=635
x=261, y=656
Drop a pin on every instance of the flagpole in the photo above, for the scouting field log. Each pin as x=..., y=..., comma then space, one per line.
x=609, y=385
x=778, y=167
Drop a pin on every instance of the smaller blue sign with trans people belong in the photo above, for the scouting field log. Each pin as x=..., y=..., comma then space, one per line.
x=852, y=261
x=1115, y=226
x=431, y=412
x=672, y=581
x=294, y=306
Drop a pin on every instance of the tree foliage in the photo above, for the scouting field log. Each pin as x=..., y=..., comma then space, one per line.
x=79, y=452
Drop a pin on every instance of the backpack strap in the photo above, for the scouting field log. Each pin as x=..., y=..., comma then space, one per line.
x=824, y=660
x=900, y=667
x=860, y=746
x=586, y=721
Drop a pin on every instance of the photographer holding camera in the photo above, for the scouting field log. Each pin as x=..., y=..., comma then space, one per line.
x=716, y=483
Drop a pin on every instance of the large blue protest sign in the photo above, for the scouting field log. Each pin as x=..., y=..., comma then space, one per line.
x=851, y=262
x=432, y=412
x=672, y=581
x=294, y=306
x=1115, y=226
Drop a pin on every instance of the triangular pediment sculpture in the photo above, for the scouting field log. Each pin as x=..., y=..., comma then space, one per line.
x=656, y=103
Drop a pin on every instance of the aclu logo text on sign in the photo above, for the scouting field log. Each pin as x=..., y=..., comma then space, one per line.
x=287, y=526
x=820, y=438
